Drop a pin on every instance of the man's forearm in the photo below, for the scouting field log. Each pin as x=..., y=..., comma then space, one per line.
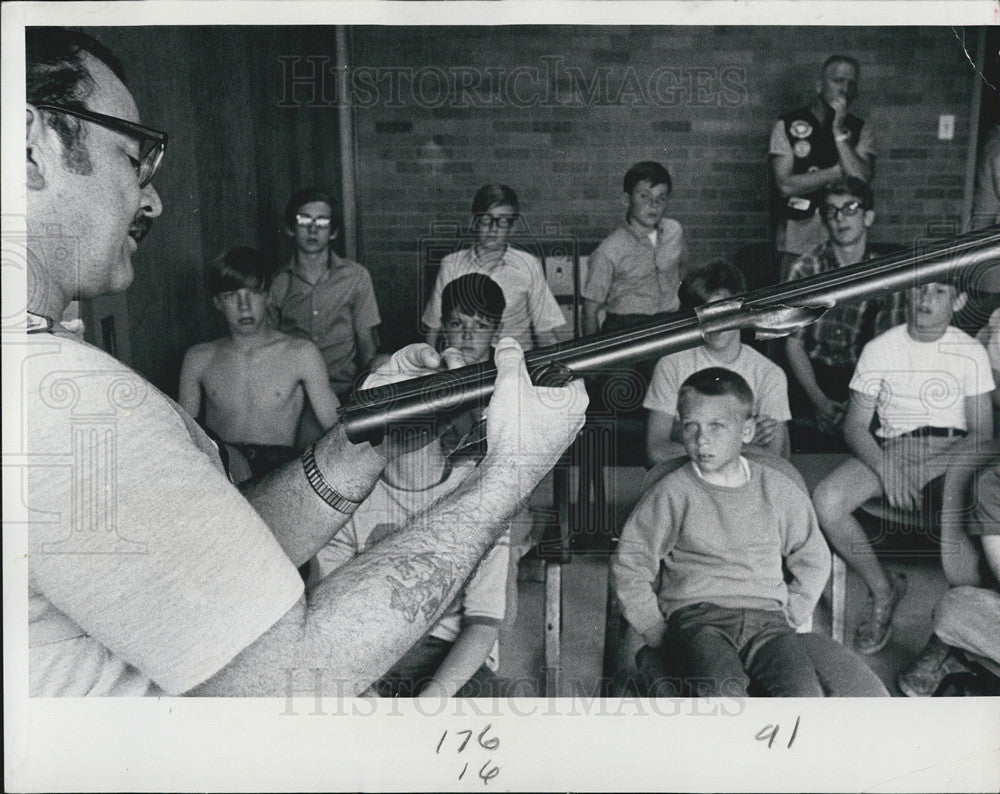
x=362, y=617
x=300, y=520
x=852, y=164
x=810, y=182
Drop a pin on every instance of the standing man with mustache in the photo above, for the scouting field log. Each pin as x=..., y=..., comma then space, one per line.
x=149, y=573
x=811, y=148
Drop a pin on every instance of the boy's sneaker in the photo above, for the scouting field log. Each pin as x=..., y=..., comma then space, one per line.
x=923, y=677
x=874, y=633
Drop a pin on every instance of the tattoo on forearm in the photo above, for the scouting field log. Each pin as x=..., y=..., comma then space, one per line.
x=422, y=584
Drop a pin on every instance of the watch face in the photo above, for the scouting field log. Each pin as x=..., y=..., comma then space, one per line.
x=800, y=129
x=802, y=148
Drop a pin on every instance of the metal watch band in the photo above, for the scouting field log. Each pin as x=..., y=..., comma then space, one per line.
x=322, y=488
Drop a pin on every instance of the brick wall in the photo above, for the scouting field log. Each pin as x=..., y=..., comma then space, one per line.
x=559, y=113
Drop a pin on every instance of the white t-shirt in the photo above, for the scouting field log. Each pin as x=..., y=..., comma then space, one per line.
x=766, y=379
x=484, y=597
x=531, y=305
x=921, y=383
x=148, y=570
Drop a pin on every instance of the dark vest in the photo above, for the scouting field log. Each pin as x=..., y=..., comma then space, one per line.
x=813, y=148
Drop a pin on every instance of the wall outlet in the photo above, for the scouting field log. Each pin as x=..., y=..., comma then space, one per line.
x=946, y=127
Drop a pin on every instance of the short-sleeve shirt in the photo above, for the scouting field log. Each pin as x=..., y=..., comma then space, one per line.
x=329, y=312
x=148, y=571
x=531, y=306
x=765, y=378
x=836, y=338
x=629, y=274
x=801, y=237
x=922, y=383
x=483, y=600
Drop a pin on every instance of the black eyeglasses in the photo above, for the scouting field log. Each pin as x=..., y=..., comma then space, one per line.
x=498, y=221
x=152, y=143
x=849, y=210
x=308, y=222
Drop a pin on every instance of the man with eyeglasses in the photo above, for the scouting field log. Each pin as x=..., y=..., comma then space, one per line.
x=149, y=573
x=822, y=356
x=323, y=296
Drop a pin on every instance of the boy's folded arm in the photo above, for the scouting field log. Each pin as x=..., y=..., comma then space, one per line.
x=635, y=568
x=808, y=560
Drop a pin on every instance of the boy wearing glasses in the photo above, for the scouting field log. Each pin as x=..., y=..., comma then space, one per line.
x=532, y=313
x=252, y=383
x=822, y=356
x=324, y=297
x=636, y=270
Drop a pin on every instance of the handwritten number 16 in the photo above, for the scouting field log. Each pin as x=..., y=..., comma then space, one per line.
x=770, y=733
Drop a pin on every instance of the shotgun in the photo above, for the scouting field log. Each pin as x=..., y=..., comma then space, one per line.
x=771, y=312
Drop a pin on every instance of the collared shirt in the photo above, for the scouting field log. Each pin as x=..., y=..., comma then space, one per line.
x=330, y=312
x=837, y=337
x=628, y=274
x=531, y=307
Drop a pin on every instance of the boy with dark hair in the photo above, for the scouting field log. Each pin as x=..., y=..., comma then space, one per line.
x=698, y=569
x=929, y=384
x=472, y=308
x=821, y=356
x=253, y=382
x=459, y=656
x=716, y=281
x=635, y=272
x=324, y=297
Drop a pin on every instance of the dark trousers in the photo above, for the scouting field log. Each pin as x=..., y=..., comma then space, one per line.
x=263, y=458
x=807, y=433
x=716, y=651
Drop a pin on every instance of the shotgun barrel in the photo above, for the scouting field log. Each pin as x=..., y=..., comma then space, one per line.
x=771, y=312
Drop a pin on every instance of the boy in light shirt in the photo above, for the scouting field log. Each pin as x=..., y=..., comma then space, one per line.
x=930, y=384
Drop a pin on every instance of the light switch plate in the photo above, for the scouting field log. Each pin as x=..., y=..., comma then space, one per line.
x=946, y=127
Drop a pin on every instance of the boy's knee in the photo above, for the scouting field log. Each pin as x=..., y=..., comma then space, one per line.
x=828, y=499
x=837, y=497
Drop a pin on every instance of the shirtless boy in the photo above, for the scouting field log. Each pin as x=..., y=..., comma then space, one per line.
x=252, y=383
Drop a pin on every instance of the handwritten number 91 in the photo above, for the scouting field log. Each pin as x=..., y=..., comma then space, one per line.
x=770, y=732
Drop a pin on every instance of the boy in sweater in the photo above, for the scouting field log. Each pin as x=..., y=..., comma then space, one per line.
x=698, y=570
